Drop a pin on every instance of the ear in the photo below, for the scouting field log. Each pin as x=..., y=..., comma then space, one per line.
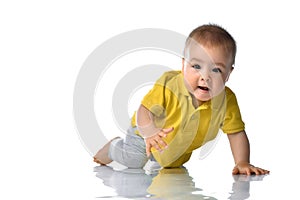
x=227, y=78
x=183, y=61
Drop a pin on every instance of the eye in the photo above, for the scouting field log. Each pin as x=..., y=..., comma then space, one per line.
x=217, y=70
x=196, y=66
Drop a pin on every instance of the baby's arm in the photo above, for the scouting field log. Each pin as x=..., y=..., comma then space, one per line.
x=152, y=134
x=240, y=148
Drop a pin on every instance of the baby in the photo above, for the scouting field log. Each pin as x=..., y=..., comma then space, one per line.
x=186, y=109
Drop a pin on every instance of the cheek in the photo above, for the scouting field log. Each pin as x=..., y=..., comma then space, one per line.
x=219, y=79
x=191, y=81
x=218, y=86
x=189, y=74
x=193, y=78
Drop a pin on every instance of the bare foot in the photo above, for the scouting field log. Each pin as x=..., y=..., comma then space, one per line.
x=97, y=161
x=101, y=156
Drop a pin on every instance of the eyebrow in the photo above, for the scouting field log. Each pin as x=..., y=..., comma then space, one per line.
x=221, y=64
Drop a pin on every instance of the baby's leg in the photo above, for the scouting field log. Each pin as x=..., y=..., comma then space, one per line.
x=101, y=156
x=130, y=152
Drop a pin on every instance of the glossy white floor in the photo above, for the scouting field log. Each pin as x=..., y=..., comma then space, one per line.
x=178, y=183
x=58, y=171
x=209, y=178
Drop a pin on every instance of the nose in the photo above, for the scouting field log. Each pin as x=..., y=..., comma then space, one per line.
x=204, y=75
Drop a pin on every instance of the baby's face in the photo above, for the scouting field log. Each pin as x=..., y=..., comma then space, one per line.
x=205, y=71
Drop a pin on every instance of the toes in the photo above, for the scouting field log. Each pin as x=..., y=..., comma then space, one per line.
x=98, y=161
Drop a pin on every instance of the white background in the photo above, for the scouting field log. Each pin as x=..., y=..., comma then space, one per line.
x=44, y=44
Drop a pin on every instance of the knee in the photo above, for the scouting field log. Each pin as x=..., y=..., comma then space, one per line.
x=136, y=162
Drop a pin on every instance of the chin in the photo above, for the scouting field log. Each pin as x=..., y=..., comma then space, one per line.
x=202, y=98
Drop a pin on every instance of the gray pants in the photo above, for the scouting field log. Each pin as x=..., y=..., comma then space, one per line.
x=130, y=152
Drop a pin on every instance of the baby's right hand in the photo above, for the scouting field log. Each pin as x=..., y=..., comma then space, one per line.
x=156, y=140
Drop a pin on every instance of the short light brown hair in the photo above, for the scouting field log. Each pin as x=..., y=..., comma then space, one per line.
x=212, y=35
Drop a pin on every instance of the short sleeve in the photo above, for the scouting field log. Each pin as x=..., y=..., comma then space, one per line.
x=155, y=99
x=159, y=96
x=233, y=122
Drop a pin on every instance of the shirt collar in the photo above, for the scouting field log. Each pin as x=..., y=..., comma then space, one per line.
x=181, y=85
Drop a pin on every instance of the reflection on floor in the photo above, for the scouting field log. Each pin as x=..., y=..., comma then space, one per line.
x=175, y=183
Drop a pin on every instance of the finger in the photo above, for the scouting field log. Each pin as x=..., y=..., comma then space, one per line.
x=168, y=130
x=155, y=145
x=165, y=131
x=235, y=171
x=161, y=142
x=248, y=171
x=162, y=134
x=148, y=150
x=263, y=171
x=255, y=170
x=158, y=139
x=260, y=171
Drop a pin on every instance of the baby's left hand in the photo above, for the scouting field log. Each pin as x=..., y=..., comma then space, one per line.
x=247, y=168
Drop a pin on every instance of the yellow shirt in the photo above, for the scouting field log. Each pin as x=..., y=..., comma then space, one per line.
x=171, y=104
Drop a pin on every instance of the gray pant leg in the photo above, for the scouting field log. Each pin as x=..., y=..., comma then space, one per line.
x=130, y=152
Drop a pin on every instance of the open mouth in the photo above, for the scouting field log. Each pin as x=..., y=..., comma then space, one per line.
x=203, y=88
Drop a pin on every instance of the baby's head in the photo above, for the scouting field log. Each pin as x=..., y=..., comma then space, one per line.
x=209, y=56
